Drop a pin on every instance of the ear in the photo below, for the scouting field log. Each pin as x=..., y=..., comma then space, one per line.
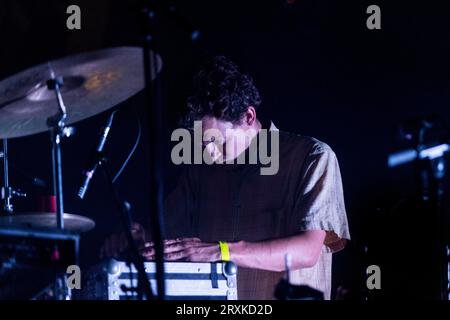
x=250, y=116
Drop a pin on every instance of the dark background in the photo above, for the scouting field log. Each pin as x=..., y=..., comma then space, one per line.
x=320, y=72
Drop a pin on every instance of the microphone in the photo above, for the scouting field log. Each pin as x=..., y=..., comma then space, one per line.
x=94, y=158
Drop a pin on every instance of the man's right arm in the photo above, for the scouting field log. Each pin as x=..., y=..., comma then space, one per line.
x=178, y=208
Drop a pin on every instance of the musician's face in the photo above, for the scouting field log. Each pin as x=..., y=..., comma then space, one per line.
x=224, y=140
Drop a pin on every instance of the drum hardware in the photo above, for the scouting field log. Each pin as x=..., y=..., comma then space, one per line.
x=31, y=258
x=90, y=82
x=58, y=131
x=93, y=82
x=35, y=181
x=47, y=221
x=6, y=189
x=7, y=192
x=32, y=102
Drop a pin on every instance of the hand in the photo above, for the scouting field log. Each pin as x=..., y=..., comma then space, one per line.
x=117, y=243
x=185, y=249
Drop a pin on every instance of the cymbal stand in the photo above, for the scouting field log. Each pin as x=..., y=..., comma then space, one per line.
x=58, y=131
x=7, y=192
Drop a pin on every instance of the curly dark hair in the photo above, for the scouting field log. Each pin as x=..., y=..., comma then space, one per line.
x=221, y=91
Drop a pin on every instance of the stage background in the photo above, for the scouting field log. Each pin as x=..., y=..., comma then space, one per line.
x=320, y=72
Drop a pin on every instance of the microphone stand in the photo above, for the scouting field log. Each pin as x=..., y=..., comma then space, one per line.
x=59, y=131
x=432, y=172
x=154, y=117
x=98, y=159
x=153, y=101
x=7, y=191
x=126, y=221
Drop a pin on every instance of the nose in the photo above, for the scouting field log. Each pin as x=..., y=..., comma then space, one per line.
x=213, y=151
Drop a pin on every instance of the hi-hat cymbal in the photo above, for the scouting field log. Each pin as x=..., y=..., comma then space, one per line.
x=43, y=220
x=93, y=82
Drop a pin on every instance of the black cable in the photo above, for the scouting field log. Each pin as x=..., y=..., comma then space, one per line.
x=117, y=175
x=144, y=287
x=133, y=150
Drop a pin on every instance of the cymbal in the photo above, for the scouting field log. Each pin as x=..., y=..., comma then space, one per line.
x=93, y=82
x=44, y=220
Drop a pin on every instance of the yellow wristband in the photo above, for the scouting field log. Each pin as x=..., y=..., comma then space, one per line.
x=225, y=251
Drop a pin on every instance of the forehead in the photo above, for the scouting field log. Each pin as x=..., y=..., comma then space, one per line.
x=214, y=123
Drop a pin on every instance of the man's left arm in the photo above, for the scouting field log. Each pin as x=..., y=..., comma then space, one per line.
x=268, y=255
x=304, y=249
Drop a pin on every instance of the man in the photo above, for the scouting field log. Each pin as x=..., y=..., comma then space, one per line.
x=258, y=218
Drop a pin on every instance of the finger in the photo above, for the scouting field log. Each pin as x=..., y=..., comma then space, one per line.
x=148, y=245
x=193, y=243
x=174, y=248
x=165, y=242
x=147, y=251
x=148, y=255
x=172, y=241
x=175, y=256
x=150, y=250
x=189, y=240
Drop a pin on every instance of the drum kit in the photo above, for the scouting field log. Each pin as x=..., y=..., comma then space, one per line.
x=50, y=98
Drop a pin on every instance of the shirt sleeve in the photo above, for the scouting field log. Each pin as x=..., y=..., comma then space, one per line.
x=320, y=197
